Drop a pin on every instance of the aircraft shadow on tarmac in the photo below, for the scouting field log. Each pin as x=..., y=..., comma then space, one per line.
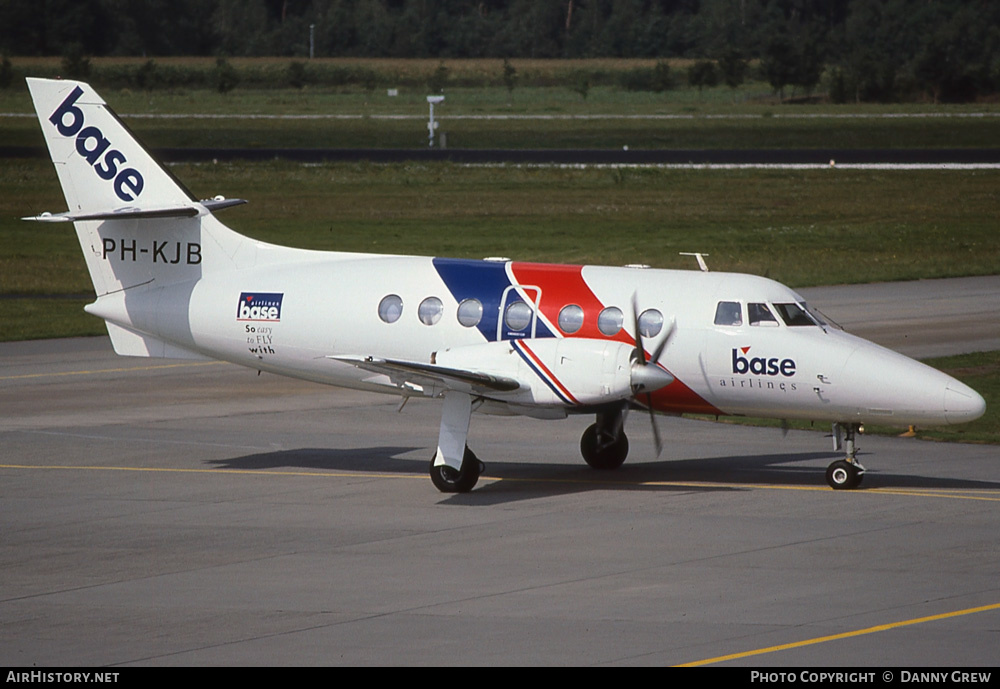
x=522, y=480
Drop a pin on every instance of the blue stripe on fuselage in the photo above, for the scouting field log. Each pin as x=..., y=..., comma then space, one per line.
x=485, y=281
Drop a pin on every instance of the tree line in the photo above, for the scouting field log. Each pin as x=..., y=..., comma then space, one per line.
x=868, y=50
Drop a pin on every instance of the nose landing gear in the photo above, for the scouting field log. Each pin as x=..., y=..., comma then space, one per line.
x=845, y=474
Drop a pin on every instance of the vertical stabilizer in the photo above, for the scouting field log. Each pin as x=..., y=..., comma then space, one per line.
x=101, y=166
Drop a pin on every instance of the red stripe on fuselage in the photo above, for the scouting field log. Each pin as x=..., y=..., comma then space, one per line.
x=562, y=285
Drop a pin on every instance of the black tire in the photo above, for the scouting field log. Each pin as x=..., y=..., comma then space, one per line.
x=842, y=475
x=447, y=480
x=604, y=458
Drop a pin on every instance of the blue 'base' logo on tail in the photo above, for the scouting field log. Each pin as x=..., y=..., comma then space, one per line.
x=91, y=144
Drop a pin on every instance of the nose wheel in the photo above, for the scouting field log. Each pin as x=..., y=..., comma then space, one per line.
x=844, y=475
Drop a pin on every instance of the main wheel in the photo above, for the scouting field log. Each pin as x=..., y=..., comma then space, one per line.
x=447, y=480
x=842, y=475
x=605, y=455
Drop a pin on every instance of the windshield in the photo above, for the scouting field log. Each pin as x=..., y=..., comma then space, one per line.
x=796, y=315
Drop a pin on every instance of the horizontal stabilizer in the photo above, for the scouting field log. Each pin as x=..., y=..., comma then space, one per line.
x=132, y=213
x=432, y=375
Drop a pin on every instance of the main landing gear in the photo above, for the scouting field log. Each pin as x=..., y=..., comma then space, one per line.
x=604, y=444
x=449, y=480
x=454, y=467
x=845, y=474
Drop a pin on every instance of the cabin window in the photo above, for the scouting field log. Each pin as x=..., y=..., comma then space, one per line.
x=794, y=315
x=470, y=312
x=430, y=310
x=570, y=319
x=518, y=316
x=390, y=308
x=609, y=321
x=759, y=314
x=650, y=323
x=728, y=313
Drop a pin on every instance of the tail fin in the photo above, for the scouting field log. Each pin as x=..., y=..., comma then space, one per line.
x=140, y=229
x=100, y=164
x=137, y=224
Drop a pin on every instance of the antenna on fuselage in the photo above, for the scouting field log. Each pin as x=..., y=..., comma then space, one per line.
x=701, y=259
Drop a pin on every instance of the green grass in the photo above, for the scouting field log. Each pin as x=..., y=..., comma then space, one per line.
x=34, y=318
x=800, y=227
x=703, y=127
x=719, y=117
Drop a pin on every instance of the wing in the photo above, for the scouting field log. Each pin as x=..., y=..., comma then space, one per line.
x=432, y=376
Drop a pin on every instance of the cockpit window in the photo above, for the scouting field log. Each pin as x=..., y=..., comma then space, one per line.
x=795, y=315
x=759, y=314
x=728, y=313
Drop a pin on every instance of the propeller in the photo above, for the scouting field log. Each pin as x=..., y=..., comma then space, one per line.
x=649, y=376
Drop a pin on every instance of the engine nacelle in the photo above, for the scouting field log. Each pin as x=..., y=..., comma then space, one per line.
x=552, y=371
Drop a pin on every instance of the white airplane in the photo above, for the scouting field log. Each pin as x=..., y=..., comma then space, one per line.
x=494, y=336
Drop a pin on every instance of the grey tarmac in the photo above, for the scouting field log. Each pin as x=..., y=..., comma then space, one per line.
x=160, y=512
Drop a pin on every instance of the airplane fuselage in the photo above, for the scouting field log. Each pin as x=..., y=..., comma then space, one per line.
x=293, y=317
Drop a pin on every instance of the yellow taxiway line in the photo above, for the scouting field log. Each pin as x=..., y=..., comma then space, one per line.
x=843, y=635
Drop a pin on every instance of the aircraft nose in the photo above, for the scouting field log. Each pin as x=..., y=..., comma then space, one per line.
x=961, y=403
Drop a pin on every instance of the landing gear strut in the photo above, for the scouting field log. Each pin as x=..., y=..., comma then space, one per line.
x=454, y=467
x=845, y=474
x=604, y=444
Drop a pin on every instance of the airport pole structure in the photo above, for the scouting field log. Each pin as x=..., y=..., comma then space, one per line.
x=431, y=123
x=312, y=40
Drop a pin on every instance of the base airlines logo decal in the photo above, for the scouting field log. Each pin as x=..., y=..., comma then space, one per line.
x=259, y=306
x=761, y=366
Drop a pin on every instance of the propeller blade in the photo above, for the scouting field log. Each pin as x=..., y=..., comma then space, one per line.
x=657, y=441
x=655, y=357
x=639, y=349
x=648, y=375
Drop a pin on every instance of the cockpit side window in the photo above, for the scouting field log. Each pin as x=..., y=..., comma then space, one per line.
x=795, y=315
x=759, y=314
x=729, y=313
